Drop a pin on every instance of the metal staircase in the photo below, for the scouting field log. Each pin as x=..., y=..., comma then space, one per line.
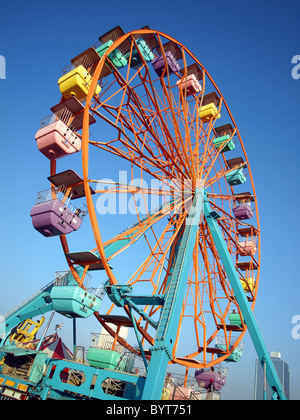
x=161, y=351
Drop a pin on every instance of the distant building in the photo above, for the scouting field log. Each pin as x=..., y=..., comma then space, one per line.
x=283, y=372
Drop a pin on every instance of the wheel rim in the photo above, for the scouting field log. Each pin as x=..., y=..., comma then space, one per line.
x=155, y=146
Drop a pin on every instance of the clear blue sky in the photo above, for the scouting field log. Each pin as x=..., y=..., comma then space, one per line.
x=247, y=47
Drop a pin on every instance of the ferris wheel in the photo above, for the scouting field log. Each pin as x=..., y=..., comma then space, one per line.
x=142, y=103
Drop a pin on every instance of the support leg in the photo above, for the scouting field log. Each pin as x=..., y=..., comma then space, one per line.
x=170, y=315
x=242, y=301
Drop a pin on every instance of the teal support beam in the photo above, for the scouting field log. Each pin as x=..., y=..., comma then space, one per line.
x=138, y=339
x=130, y=239
x=242, y=301
x=116, y=246
x=91, y=387
x=39, y=304
x=161, y=352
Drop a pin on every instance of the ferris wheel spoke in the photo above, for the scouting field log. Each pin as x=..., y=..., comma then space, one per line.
x=178, y=136
x=155, y=271
x=212, y=157
x=167, y=110
x=159, y=255
x=139, y=147
x=140, y=114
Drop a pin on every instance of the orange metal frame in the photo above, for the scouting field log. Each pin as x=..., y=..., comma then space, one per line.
x=159, y=133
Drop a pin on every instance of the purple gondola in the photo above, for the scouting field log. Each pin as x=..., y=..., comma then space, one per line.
x=159, y=64
x=52, y=216
x=210, y=379
x=242, y=212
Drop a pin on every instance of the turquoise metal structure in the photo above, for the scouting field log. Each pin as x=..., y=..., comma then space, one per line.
x=38, y=304
x=52, y=385
x=257, y=339
x=166, y=332
x=65, y=379
x=41, y=302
